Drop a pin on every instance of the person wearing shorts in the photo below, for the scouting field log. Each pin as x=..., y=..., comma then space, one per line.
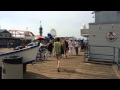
x=57, y=47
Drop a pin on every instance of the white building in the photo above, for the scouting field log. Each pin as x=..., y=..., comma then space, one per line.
x=103, y=46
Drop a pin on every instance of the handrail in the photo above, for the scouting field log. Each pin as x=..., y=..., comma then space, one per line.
x=116, y=56
x=100, y=54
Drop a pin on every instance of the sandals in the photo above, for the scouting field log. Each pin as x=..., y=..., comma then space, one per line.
x=58, y=70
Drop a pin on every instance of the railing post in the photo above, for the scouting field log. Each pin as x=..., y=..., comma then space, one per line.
x=114, y=53
x=84, y=55
x=86, y=52
x=118, y=57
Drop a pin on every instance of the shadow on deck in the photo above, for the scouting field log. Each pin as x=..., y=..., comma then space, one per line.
x=72, y=67
x=30, y=75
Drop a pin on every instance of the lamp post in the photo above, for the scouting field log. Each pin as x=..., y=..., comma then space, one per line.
x=40, y=29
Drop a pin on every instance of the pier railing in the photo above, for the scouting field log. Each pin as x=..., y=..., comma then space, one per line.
x=102, y=53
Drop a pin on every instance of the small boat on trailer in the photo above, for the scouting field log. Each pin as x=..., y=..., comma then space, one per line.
x=28, y=55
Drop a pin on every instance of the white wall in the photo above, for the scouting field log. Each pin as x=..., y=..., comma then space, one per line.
x=98, y=37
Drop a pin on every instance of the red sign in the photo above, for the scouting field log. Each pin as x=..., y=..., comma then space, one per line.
x=111, y=36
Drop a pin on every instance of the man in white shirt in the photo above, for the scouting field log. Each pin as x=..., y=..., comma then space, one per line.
x=76, y=46
x=70, y=47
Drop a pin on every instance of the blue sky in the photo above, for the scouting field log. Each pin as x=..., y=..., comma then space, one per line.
x=66, y=23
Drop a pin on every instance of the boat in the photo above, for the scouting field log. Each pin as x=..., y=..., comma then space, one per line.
x=28, y=54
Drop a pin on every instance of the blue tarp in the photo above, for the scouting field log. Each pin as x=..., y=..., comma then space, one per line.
x=50, y=36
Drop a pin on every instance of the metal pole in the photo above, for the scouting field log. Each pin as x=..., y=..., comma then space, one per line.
x=114, y=53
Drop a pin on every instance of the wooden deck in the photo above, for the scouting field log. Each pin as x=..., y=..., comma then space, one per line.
x=72, y=67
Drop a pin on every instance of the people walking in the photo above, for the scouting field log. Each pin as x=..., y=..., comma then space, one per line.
x=50, y=47
x=57, y=47
x=62, y=48
x=66, y=48
x=76, y=46
x=70, y=45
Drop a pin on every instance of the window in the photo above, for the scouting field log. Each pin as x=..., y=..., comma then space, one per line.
x=5, y=35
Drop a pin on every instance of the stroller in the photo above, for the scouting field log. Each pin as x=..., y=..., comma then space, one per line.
x=41, y=54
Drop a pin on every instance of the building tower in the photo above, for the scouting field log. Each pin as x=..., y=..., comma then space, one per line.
x=40, y=29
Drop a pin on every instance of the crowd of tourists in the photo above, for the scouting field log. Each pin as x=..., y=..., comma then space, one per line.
x=62, y=48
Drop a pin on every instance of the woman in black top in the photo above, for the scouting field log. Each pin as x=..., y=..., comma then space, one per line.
x=66, y=48
x=62, y=47
x=50, y=46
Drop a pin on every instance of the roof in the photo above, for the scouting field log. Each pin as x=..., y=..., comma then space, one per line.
x=4, y=30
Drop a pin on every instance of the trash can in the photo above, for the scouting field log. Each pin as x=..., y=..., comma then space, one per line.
x=12, y=67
